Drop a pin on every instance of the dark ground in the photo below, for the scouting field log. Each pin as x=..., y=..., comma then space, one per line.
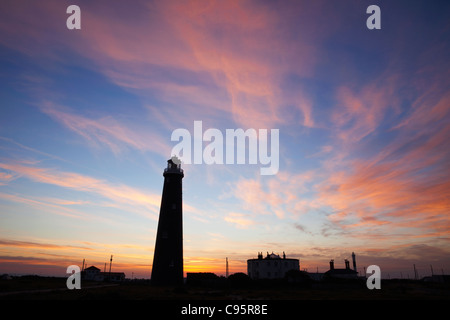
x=50, y=288
x=49, y=296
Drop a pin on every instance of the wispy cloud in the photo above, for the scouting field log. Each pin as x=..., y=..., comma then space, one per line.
x=229, y=58
x=115, y=193
x=32, y=244
x=279, y=195
x=239, y=220
x=404, y=187
x=229, y=41
x=107, y=131
x=50, y=257
x=54, y=206
x=359, y=114
x=6, y=177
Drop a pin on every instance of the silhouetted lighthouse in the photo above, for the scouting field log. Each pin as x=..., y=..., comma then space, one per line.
x=168, y=257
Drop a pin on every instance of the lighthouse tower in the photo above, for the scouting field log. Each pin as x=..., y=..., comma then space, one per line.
x=168, y=256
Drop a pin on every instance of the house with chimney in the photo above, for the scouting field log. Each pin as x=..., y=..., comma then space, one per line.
x=346, y=273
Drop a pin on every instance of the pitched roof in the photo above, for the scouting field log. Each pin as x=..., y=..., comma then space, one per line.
x=92, y=268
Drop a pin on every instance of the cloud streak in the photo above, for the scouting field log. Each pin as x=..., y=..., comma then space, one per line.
x=31, y=244
x=107, y=131
x=279, y=195
x=230, y=58
x=115, y=193
x=404, y=187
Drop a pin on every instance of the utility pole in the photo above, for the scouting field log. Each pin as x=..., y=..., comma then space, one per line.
x=226, y=272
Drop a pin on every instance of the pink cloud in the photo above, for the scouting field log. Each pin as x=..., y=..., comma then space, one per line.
x=117, y=194
x=360, y=114
x=54, y=206
x=279, y=195
x=230, y=58
x=404, y=188
x=108, y=131
x=249, y=57
x=239, y=219
x=33, y=244
x=6, y=177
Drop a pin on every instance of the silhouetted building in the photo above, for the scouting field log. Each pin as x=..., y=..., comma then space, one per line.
x=94, y=274
x=271, y=267
x=202, y=278
x=168, y=256
x=346, y=273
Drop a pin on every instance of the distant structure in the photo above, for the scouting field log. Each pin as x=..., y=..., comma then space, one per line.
x=94, y=274
x=167, y=266
x=346, y=273
x=354, y=262
x=271, y=267
x=202, y=278
x=226, y=271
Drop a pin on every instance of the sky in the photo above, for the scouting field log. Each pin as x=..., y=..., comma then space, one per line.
x=363, y=117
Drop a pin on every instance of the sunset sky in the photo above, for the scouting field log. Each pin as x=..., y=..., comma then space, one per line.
x=363, y=117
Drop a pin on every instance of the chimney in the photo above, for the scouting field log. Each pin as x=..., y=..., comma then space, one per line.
x=347, y=264
x=354, y=261
x=331, y=264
